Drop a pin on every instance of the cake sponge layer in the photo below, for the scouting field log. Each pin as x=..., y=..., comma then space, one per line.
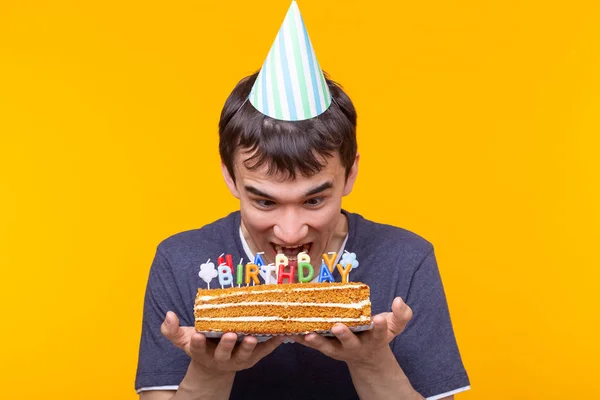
x=282, y=309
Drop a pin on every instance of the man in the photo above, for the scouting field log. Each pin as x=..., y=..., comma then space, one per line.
x=290, y=168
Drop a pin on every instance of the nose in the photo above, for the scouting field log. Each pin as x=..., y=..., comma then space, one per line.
x=290, y=228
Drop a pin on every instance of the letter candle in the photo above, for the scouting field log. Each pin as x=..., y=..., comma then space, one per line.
x=329, y=259
x=325, y=274
x=282, y=261
x=252, y=272
x=240, y=272
x=344, y=272
x=228, y=260
x=225, y=276
x=304, y=262
x=348, y=259
x=258, y=259
x=289, y=275
x=266, y=272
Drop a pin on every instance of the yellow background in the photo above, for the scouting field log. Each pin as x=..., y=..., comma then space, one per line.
x=478, y=129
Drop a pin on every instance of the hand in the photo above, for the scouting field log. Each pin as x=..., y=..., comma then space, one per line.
x=214, y=358
x=367, y=347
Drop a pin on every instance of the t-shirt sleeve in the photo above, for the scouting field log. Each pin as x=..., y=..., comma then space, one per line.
x=160, y=363
x=427, y=349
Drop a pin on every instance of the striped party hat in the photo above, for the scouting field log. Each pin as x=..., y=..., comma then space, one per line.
x=290, y=85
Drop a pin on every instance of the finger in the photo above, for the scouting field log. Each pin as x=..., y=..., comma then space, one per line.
x=401, y=314
x=170, y=325
x=198, y=345
x=380, y=327
x=245, y=349
x=346, y=337
x=225, y=347
x=170, y=329
x=265, y=348
x=322, y=344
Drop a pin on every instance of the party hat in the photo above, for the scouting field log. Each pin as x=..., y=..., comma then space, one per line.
x=290, y=85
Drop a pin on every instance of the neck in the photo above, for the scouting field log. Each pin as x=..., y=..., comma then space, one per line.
x=339, y=233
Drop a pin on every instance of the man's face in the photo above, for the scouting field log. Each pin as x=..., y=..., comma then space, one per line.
x=289, y=216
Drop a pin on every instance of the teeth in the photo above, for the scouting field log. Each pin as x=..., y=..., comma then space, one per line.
x=296, y=249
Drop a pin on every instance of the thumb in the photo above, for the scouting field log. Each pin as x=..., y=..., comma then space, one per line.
x=171, y=330
x=401, y=314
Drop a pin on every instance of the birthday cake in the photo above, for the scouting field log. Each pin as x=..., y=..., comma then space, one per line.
x=283, y=309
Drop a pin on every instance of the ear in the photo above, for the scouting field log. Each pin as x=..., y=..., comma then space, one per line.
x=351, y=176
x=229, y=181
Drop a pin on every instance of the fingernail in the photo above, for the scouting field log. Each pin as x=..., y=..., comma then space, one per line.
x=229, y=340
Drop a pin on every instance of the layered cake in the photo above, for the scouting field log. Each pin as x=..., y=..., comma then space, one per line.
x=283, y=309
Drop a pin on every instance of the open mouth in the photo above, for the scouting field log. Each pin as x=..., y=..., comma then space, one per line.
x=291, y=252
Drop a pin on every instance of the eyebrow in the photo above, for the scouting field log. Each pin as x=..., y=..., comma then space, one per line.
x=257, y=192
x=321, y=188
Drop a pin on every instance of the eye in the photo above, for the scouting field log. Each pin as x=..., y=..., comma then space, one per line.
x=265, y=203
x=314, y=202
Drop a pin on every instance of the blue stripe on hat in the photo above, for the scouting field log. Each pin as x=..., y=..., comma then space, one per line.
x=287, y=80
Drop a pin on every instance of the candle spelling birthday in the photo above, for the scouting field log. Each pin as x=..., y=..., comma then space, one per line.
x=282, y=271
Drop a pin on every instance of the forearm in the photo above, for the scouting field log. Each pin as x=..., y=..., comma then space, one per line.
x=198, y=384
x=383, y=379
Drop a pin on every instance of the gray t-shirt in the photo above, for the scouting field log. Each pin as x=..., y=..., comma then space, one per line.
x=393, y=262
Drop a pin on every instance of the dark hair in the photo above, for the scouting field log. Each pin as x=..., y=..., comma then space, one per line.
x=286, y=147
